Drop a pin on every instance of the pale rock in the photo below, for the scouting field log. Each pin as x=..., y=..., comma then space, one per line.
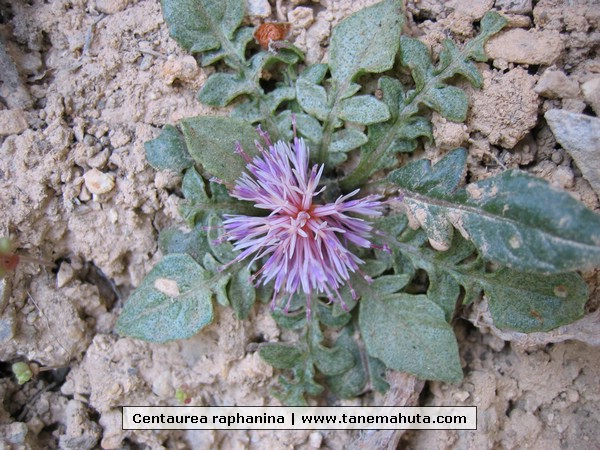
x=555, y=84
x=515, y=6
x=526, y=46
x=12, y=121
x=81, y=432
x=579, y=135
x=506, y=108
x=119, y=138
x=471, y=8
x=64, y=275
x=111, y=6
x=315, y=440
x=98, y=182
x=184, y=69
x=448, y=134
x=591, y=93
x=99, y=160
x=258, y=8
x=301, y=17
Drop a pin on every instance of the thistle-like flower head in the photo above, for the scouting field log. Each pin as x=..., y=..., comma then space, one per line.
x=306, y=245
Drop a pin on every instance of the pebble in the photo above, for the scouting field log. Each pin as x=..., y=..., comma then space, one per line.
x=111, y=6
x=579, y=135
x=555, y=84
x=12, y=121
x=515, y=6
x=258, y=8
x=591, y=93
x=301, y=17
x=64, y=275
x=526, y=46
x=98, y=182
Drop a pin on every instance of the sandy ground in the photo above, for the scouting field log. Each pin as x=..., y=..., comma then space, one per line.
x=97, y=79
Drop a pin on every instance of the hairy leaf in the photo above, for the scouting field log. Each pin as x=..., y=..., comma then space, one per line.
x=173, y=302
x=168, y=151
x=513, y=219
x=198, y=203
x=281, y=356
x=367, y=41
x=221, y=88
x=409, y=333
x=431, y=90
x=363, y=109
x=202, y=25
x=211, y=141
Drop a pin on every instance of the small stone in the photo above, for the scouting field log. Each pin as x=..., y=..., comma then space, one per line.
x=98, y=182
x=119, y=138
x=258, y=8
x=7, y=325
x=84, y=194
x=591, y=93
x=64, y=275
x=111, y=6
x=526, y=46
x=461, y=396
x=184, y=69
x=12, y=121
x=301, y=17
x=515, y=6
x=579, y=135
x=99, y=160
x=315, y=439
x=555, y=84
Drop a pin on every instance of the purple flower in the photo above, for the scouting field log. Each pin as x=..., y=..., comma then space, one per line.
x=305, y=244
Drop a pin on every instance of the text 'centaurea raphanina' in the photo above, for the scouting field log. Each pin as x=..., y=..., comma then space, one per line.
x=305, y=244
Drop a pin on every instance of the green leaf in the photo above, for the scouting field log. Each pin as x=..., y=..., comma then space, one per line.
x=409, y=333
x=242, y=294
x=168, y=151
x=363, y=109
x=451, y=102
x=312, y=98
x=514, y=219
x=173, y=302
x=347, y=139
x=211, y=141
x=367, y=41
x=416, y=56
x=198, y=204
x=221, y=88
x=193, y=243
x=353, y=382
x=332, y=361
x=241, y=38
x=530, y=303
x=281, y=356
x=314, y=73
x=431, y=90
x=202, y=25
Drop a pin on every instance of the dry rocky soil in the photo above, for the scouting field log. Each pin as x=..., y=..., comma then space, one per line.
x=85, y=83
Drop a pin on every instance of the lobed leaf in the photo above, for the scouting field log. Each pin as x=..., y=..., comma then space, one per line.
x=514, y=219
x=221, y=88
x=203, y=25
x=281, y=356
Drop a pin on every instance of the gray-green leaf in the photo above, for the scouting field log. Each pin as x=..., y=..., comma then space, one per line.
x=202, y=25
x=211, y=141
x=173, y=302
x=409, y=333
x=168, y=151
x=367, y=41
